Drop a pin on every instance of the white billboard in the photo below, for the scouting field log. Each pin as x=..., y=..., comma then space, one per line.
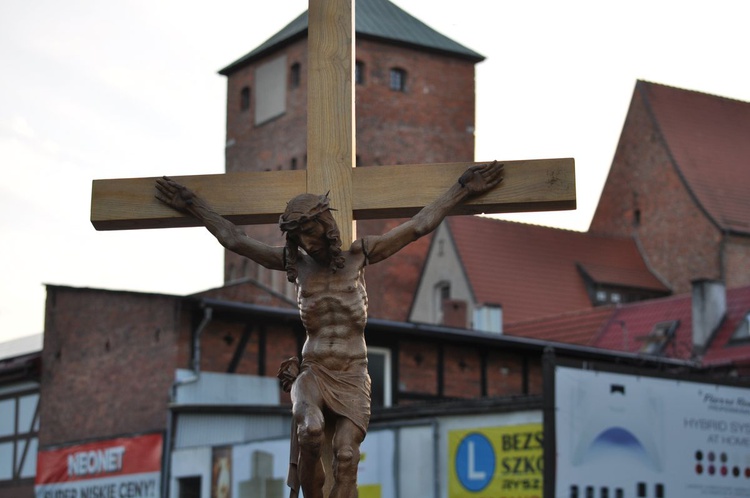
x=620, y=435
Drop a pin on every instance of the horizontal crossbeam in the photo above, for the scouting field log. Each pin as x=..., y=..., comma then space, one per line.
x=378, y=192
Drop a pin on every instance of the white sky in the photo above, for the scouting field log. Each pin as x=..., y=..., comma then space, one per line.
x=92, y=89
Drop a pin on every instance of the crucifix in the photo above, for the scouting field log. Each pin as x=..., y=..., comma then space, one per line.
x=330, y=388
x=356, y=193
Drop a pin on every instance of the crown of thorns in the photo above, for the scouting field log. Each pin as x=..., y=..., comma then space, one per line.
x=303, y=208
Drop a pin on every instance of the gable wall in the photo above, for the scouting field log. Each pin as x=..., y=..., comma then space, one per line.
x=442, y=265
x=108, y=363
x=737, y=261
x=679, y=241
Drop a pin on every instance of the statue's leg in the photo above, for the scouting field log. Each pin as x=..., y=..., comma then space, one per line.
x=306, y=410
x=346, y=443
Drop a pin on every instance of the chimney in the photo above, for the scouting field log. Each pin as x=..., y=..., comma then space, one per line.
x=454, y=313
x=709, y=303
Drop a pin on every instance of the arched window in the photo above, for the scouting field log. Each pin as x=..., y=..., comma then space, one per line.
x=440, y=293
x=245, y=98
x=398, y=79
x=295, y=75
x=359, y=72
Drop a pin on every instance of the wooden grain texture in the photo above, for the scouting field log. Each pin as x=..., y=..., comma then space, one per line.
x=243, y=198
x=330, y=107
x=379, y=192
x=401, y=191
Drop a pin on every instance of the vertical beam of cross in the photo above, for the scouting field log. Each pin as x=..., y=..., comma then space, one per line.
x=330, y=108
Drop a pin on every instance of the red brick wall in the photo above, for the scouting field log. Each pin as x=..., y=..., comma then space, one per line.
x=431, y=121
x=462, y=372
x=108, y=363
x=504, y=374
x=737, y=261
x=417, y=367
x=272, y=145
x=679, y=242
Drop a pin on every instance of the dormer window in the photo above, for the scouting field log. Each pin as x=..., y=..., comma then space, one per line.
x=660, y=336
x=488, y=318
x=742, y=334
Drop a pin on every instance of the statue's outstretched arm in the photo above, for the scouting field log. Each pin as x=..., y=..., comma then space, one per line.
x=475, y=180
x=183, y=199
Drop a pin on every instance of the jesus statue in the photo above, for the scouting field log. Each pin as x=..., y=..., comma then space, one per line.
x=331, y=385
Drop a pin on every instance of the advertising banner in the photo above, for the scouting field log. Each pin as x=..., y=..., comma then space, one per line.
x=496, y=462
x=128, y=467
x=624, y=435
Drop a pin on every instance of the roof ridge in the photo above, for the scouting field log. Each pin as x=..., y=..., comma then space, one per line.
x=643, y=88
x=381, y=19
x=538, y=225
x=688, y=90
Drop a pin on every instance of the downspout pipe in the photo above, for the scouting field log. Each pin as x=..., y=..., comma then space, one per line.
x=195, y=366
x=196, y=362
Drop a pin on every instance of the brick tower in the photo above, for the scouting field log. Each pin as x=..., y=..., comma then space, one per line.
x=414, y=104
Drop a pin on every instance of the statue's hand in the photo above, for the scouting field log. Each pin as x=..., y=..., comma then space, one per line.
x=288, y=372
x=174, y=195
x=482, y=177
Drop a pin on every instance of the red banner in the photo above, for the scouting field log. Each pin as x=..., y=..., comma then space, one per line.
x=128, y=463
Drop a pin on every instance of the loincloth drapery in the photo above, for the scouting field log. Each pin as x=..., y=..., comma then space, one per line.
x=344, y=393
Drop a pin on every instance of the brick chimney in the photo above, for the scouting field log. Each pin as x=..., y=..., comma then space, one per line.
x=454, y=313
x=709, y=302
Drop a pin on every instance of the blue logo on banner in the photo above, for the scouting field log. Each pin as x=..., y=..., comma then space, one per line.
x=475, y=462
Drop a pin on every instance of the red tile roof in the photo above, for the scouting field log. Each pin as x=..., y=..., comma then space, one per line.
x=575, y=327
x=630, y=324
x=709, y=140
x=623, y=328
x=532, y=271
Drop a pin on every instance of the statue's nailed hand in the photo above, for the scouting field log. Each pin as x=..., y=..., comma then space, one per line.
x=174, y=195
x=482, y=177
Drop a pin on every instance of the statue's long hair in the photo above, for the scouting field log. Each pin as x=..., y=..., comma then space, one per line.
x=332, y=233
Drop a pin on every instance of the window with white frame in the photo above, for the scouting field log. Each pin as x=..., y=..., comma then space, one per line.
x=488, y=318
x=379, y=366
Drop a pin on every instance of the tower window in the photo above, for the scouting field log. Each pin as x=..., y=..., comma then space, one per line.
x=359, y=73
x=245, y=98
x=398, y=79
x=295, y=75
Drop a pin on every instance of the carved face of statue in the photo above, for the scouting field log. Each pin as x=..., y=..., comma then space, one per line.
x=311, y=236
x=308, y=223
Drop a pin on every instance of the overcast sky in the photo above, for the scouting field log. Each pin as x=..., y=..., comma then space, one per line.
x=92, y=89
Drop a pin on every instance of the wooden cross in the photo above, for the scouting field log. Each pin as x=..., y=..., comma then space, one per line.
x=357, y=193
